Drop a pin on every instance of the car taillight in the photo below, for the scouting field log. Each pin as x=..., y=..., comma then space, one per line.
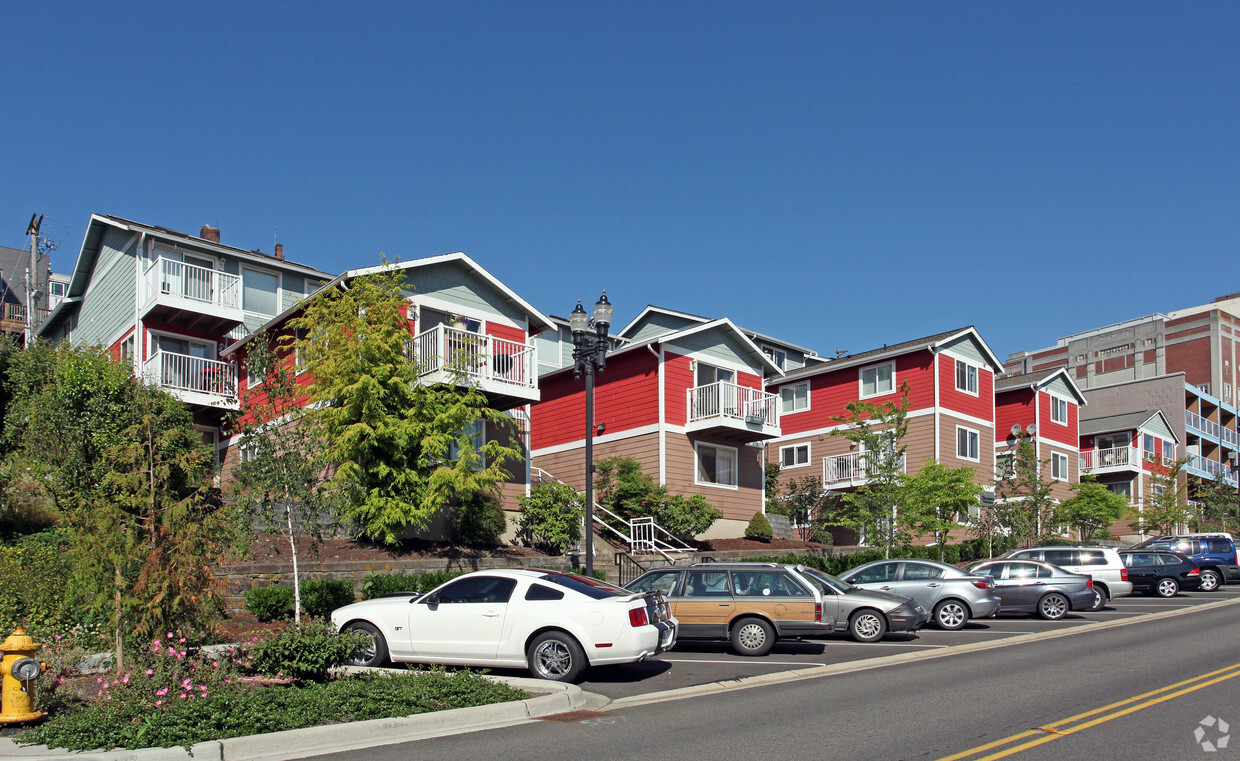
x=817, y=611
x=1194, y=572
x=1089, y=583
x=637, y=617
x=984, y=584
x=1123, y=574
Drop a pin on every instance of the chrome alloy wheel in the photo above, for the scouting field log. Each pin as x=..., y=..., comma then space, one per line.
x=1053, y=607
x=552, y=659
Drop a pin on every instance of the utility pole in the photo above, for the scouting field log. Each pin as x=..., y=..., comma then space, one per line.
x=32, y=273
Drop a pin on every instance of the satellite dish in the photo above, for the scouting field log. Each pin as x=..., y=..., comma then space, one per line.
x=1033, y=429
x=1016, y=429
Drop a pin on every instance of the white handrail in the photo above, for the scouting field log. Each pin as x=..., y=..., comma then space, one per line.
x=642, y=531
x=169, y=277
x=475, y=356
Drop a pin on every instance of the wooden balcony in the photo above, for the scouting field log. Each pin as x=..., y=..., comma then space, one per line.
x=191, y=296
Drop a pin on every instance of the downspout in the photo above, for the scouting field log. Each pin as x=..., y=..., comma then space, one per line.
x=139, y=342
x=662, y=414
x=938, y=435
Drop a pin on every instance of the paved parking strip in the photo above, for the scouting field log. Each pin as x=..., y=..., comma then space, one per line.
x=699, y=663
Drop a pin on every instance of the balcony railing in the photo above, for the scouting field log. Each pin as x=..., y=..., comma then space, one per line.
x=733, y=402
x=193, y=379
x=475, y=357
x=15, y=313
x=850, y=469
x=1201, y=464
x=1106, y=459
x=168, y=278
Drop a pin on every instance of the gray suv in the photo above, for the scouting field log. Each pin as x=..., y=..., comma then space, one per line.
x=953, y=596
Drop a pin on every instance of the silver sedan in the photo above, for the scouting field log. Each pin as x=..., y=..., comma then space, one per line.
x=950, y=594
x=1030, y=586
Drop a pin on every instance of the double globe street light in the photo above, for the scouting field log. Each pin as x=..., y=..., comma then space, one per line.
x=589, y=356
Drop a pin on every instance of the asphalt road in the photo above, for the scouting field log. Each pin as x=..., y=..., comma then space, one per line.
x=1100, y=694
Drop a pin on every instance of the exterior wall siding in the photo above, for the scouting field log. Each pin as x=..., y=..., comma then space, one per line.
x=569, y=466
x=738, y=504
x=658, y=324
x=108, y=309
x=626, y=396
x=951, y=398
x=1048, y=429
x=454, y=283
x=831, y=391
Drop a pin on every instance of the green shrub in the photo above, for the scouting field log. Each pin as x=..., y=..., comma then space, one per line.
x=822, y=535
x=131, y=721
x=480, y=520
x=306, y=652
x=270, y=603
x=551, y=517
x=379, y=584
x=759, y=528
x=319, y=597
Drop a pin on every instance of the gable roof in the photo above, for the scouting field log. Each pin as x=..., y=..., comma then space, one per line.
x=651, y=309
x=934, y=344
x=1040, y=380
x=664, y=338
x=545, y=322
x=1127, y=421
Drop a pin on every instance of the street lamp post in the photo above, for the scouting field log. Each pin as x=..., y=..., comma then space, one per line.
x=590, y=355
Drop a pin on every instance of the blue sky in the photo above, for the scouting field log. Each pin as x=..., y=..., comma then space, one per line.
x=838, y=174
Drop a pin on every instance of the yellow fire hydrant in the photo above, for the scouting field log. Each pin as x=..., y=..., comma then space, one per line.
x=18, y=670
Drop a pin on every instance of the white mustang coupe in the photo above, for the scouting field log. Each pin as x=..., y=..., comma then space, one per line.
x=555, y=623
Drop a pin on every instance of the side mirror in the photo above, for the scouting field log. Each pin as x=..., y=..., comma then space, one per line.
x=431, y=599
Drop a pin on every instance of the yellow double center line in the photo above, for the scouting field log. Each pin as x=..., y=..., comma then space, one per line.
x=1073, y=724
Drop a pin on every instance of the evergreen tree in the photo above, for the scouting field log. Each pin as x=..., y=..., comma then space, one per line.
x=397, y=450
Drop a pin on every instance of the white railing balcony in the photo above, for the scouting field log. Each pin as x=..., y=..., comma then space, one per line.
x=170, y=286
x=1115, y=458
x=728, y=405
x=1212, y=468
x=194, y=380
x=1202, y=425
x=844, y=470
x=459, y=357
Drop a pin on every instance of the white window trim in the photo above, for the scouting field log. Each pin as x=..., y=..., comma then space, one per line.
x=809, y=456
x=279, y=289
x=1066, y=470
x=736, y=466
x=861, y=380
x=1055, y=402
x=974, y=432
x=977, y=377
x=808, y=403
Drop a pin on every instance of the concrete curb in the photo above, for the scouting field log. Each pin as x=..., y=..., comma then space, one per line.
x=335, y=738
x=814, y=672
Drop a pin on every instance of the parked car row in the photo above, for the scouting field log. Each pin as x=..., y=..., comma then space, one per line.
x=557, y=624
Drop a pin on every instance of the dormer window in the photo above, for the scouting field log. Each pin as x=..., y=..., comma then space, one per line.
x=879, y=379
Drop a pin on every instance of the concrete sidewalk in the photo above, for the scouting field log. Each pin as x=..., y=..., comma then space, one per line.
x=551, y=698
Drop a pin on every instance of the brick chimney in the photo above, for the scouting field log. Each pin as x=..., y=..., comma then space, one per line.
x=210, y=233
x=279, y=250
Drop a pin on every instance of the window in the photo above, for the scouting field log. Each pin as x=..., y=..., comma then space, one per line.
x=1062, y=557
x=716, y=465
x=918, y=572
x=880, y=572
x=968, y=444
x=540, y=592
x=659, y=581
x=966, y=377
x=1113, y=441
x=766, y=584
x=794, y=398
x=1059, y=410
x=478, y=589
x=1149, y=446
x=473, y=435
x=794, y=456
x=707, y=584
x=778, y=357
x=58, y=290
x=127, y=350
x=260, y=292
x=1168, y=451
x=1005, y=466
x=299, y=352
x=1203, y=388
x=1059, y=466
x=1122, y=488
x=880, y=379
x=708, y=374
